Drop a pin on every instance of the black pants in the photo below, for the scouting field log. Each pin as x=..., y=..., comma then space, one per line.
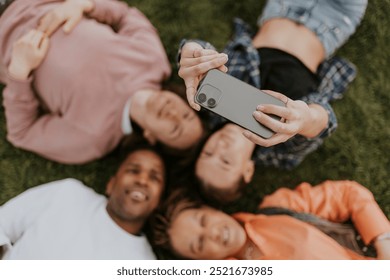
x=4, y=5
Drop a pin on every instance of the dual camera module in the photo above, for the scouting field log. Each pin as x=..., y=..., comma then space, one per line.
x=202, y=98
x=208, y=96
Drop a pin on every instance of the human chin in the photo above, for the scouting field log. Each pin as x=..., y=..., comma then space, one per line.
x=236, y=236
x=137, y=212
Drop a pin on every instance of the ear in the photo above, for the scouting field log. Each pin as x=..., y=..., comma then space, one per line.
x=249, y=171
x=149, y=136
x=110, y=186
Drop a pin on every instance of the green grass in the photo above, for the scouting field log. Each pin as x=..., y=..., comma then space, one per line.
x=358, y=150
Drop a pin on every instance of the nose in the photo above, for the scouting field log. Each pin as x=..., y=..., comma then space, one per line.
x=142, y=179
x=172, y=113
x=214, y=234
x=222, y=143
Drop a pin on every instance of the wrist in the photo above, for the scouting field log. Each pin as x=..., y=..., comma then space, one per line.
x=316, y=122
x=19, y=72
x=381, y=237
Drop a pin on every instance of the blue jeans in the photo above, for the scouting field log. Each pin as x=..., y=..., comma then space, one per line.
x=333, y=21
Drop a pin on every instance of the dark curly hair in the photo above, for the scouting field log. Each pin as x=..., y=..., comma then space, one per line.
x=179, y=200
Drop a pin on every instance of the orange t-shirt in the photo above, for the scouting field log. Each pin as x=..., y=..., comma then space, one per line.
x=284, y=237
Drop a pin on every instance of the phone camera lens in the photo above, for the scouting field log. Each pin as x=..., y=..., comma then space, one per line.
x=201, y=97
x=211, y=102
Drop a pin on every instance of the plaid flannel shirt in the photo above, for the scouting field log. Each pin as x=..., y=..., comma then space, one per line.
x=335, y=75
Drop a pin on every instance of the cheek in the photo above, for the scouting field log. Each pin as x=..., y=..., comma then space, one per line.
x=156, y=191
x=123, y=181
x=160, y=128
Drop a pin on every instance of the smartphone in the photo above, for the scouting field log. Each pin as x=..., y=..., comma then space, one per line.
x=234, y=100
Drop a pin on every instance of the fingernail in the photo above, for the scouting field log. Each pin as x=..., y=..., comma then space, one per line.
x=223, y=56
x=246, y=133
x=260, y=107
x=256, y=114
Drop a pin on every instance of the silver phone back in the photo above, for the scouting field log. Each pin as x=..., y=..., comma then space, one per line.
x=234, y=100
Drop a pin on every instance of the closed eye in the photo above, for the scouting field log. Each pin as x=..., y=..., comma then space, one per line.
x=207, y=153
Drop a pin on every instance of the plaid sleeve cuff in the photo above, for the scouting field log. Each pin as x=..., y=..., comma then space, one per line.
x=332, y=120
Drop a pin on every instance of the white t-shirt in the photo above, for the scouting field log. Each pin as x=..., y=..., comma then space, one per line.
x=65, y=220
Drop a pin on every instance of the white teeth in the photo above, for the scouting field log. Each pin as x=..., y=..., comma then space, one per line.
x=138, y=196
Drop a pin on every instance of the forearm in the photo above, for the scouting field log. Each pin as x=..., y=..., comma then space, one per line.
x=20, y=106
x=317, y=123
x=18, y=71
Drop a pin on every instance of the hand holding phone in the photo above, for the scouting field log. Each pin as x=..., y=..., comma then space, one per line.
x=235, y=100
x=195, y=61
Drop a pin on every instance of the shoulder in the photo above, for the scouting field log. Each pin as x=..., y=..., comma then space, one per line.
x=63, y=187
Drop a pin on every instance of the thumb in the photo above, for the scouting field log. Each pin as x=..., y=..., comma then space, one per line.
x=191, y=91
x=44, y=45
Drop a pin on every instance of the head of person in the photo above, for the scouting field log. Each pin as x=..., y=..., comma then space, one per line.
x=168, y=119
x=225, y=166
x=135, y=190
x=191, y=230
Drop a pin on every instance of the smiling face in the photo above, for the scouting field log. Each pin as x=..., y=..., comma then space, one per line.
x=171, y=121
x=206, y=233
x=135, y=190
x=225, y=158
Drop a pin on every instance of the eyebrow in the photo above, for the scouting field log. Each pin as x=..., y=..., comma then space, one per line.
x=132, y=164
x=154, y=170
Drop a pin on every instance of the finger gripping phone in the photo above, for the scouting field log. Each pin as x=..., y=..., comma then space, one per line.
x=234, y=100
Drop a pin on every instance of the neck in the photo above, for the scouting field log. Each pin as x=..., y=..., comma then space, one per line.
x=138, y=106
x=131, y=226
